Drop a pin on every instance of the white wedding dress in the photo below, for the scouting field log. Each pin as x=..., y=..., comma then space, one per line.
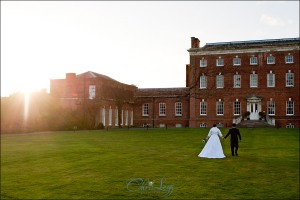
x=213, y=147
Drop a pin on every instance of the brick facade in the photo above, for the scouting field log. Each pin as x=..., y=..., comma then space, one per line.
x=110, y=100
x=170, y=97
x=252, y=77
x=251, y=98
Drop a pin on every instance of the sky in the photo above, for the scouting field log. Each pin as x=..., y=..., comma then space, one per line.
x=143, y=43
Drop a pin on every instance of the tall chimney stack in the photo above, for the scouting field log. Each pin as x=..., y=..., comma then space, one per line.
x=70, y=75
x=195, y=42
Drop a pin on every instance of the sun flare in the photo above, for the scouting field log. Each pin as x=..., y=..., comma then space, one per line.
x=29, y=87
x=26, y=105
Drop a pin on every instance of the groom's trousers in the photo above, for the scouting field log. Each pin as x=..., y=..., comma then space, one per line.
x=234, y=148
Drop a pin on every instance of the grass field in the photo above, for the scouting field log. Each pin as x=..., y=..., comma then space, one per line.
x=149, y=164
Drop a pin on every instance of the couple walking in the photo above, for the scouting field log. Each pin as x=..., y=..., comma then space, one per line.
x=213, y=147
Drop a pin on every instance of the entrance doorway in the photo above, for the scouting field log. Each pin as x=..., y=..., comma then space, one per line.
x=254, y=111
x=254, y=107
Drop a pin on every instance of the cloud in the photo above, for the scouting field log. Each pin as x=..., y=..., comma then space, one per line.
x=271, y=21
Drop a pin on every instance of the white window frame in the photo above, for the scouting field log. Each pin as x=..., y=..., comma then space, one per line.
x=220, y=108
x=237, y=107
x=270, y=60
x=219, y=62
x=202, y=125
x=145, y=109
x=290, y=107
x=203, y=82
x=289, y=79
x=220, y=81
x=290, y=125
x=178, y=109
x=220, y=125
x=253, y=80
x=203, y=62
x=253, y=60
x=162, y=109
x=289, y=59
x=271, y=107
x=203, y=107
x=92, y=91
x=271, y=79
x=237, y=81
x=161, y=125
x=178, y=125
x=236, y=61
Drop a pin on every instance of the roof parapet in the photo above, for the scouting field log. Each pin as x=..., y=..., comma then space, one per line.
x=249, y=42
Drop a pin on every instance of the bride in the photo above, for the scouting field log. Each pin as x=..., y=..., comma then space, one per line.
x=213, y=147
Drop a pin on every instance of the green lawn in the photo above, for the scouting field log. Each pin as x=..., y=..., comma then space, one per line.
x=104, y=164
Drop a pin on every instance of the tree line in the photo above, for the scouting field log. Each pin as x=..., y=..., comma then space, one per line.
x=39, y=111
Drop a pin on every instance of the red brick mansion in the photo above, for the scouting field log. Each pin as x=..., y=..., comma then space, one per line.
x=226, y=82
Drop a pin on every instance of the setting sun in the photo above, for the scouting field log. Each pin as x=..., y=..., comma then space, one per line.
x=30, y=87
x=27, y=81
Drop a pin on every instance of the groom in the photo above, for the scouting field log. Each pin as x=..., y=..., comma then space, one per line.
x=234, y=142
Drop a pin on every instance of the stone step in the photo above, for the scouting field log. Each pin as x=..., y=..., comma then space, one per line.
x=254, y=124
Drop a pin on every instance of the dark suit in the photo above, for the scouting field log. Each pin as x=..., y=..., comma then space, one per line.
x=234, y=142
